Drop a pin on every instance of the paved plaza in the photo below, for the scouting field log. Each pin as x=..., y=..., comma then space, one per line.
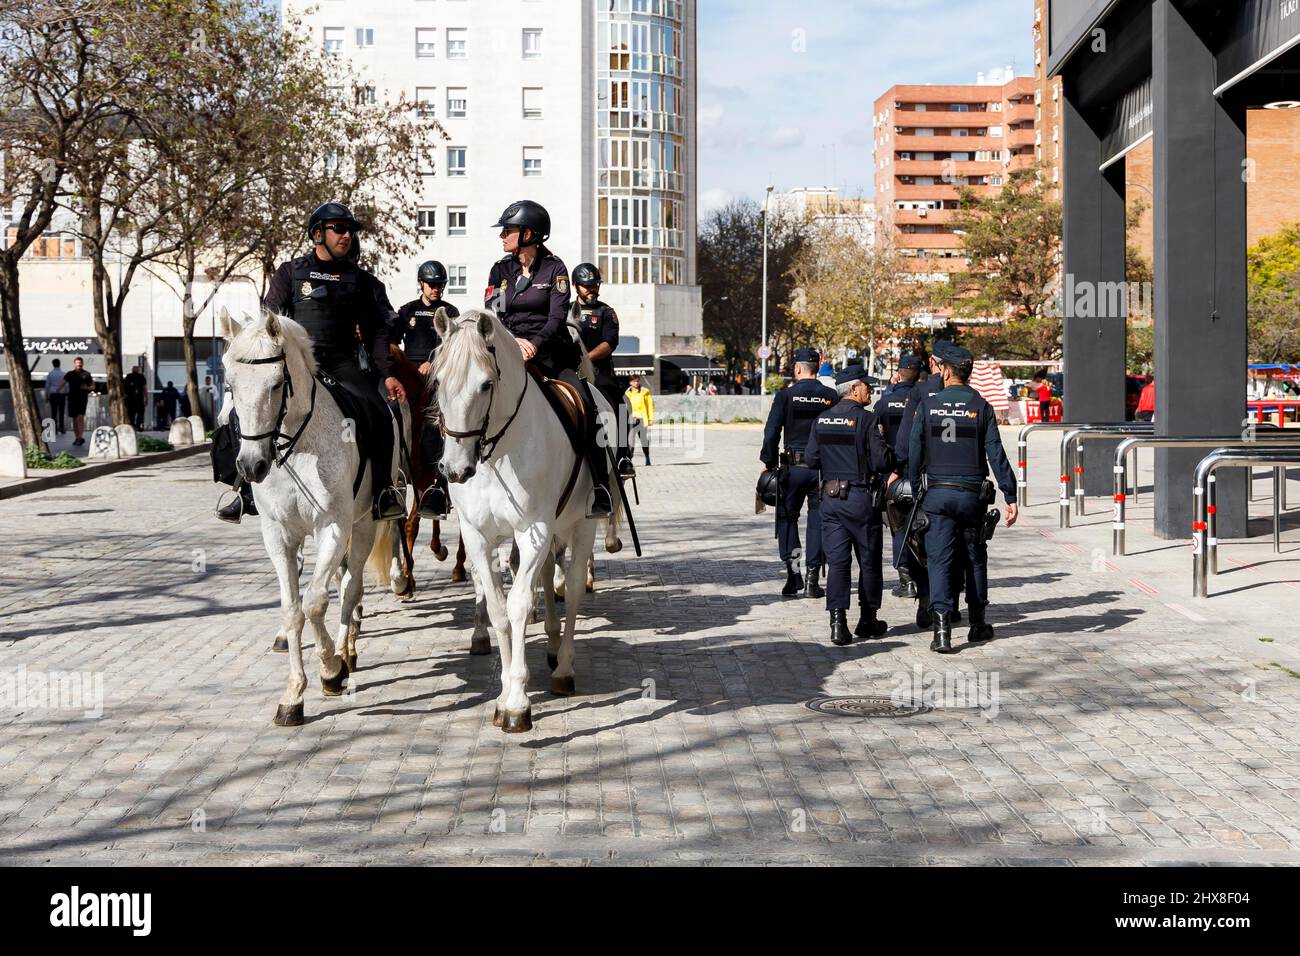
x=1115, y=720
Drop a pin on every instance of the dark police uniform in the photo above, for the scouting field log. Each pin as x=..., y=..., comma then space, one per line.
x=599, y=323
x=845, y=445
x=954, y=441
x=794, y=410
x=413, y=332
x=331, y=300
x=535, y=307
x=890, y=409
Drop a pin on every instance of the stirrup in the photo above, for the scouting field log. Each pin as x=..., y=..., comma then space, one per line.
x=625, y=467
x=427, y=509
x=597, y=501
x=381, y=514
x=233, y=510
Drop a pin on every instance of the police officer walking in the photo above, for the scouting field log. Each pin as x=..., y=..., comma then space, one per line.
x=598, y=328
x=330, y=296
x=954, y=440
x=414, y=333
x=848, y=449
x=889, y=410
x=529, y=291
x=794, y=409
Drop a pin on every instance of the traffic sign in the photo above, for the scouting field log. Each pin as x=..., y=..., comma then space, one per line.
x=765, y=352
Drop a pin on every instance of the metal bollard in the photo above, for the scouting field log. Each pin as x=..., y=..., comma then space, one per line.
x=1022, y=470
x=1278, y=484
x=1117, y=526
x=1198, y=543
x=1212, y=522
x=1079, y=502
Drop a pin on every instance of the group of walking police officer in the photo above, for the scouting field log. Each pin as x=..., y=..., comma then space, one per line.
x=922, y=455
x=346, y=311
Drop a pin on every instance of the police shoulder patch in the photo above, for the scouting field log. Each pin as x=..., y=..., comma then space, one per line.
x=562, y=285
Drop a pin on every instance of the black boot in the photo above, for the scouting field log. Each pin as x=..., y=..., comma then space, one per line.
x=793, y=581
x=923, y=617
x=601, y=503
x=840, y=635
x=625, y=467
x=956, y=614
x=868, y=626
x=942, y=643
x=981, y=632
x=814, y=583
x=434, y=503
x=906, y=586
x=242, y=504
x=388, y=506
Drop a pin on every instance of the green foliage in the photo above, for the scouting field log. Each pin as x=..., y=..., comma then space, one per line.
x=38, y=459
x=147, y=443
x=1273, y=303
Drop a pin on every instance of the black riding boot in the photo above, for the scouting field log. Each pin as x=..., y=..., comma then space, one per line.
x=868, y=625
x=980, y=631
x=923, y=617
x=840, y=635
x=435, y=502
x=793, y=581
x=242, y=504
x=942, y=643
x=597, y=457
x=906, y=586
x=814, y=582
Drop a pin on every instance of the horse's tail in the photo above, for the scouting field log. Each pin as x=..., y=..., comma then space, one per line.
x=380, y=561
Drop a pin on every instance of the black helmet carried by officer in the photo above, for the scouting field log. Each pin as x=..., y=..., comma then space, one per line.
x=331, y=212
x=432, y=272
x=527, y=214
x=586, y=274
x=768, y=489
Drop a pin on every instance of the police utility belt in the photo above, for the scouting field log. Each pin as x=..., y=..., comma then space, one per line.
x=839, y=488
x=988, y=493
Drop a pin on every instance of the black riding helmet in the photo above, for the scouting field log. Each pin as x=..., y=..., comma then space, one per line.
x=433, y=272
x=768, y=488
x=586, y=274
x=527, y=214
x=330, y=212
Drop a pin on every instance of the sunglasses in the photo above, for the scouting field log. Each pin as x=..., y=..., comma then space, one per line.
x=339, y=230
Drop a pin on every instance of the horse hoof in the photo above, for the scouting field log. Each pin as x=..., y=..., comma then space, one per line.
x=517, y=722
x=480, y=647
x=591, y=587
x=457, y=575
x=552, y=661
x=562, y=686
x=333, y=686
x=280, y=645
x=496, y=716
x=616, y=547
x=351, y=661
x=288, y=715
x=440, y=553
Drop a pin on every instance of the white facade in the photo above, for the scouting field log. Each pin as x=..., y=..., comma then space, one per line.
x=823, y=206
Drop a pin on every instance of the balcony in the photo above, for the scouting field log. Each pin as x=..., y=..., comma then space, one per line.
x=910, y=120
x=923, y=217
x=1021, y=137
x=940, y=192
x=1020, y=113
x=930, y=240
x=944, y=144
x=938, y=167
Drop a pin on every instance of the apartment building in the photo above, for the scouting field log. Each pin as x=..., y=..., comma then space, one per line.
x=932, y=140
x=1047, y=106
x=824, y=207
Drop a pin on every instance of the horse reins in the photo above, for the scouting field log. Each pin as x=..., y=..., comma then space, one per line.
x=282, y=443
x=488, y=445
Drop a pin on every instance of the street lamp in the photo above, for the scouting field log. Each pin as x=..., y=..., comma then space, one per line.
x=766, y=197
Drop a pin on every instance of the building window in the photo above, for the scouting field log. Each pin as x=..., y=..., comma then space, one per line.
x=365, y=36
x=333, y=40
x=456, y=216
x=457, y=102
x=425, y=41
x=427, y=220
x=532, y=160
x=532, y=102
x=365, y=95
x=426, y=103
x=457, y=40
x=455, y=160
x=532, y=44
x=457, y=280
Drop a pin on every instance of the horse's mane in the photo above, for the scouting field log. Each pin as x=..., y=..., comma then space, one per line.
x=466, y=349
x=256, y=341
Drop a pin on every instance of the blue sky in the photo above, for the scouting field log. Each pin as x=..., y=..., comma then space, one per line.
x=772, y=114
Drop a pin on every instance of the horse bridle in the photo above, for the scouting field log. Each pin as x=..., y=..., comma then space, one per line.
x=487, y=445
x=282, y=443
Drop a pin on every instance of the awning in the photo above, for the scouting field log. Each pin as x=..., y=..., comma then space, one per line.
x=694, y=365
x=41, y=364
x=626, y=365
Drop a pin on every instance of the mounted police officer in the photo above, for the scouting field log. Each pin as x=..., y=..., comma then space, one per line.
x=889, y=410
x=794, y=409
x=848, y=448
x=333, y=298
x=414, y=333
x=954, y=440
x=598, y=328
x=529, y=291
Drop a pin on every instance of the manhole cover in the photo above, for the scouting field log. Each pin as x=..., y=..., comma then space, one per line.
x=865, y=707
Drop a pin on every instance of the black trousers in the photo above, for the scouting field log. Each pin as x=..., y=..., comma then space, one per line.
x=802, y=485
x=135, y=411
x=956, y=531
x=58, y=408
x=851, y=528
x=597, y=454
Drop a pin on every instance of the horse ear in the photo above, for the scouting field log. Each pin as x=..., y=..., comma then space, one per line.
x=485, y=325
x=441, y=323
x=229, y=328
x=273, y=327
x=575, y=313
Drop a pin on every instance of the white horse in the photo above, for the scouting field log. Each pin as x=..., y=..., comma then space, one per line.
x=509, y=463
x=299, y=453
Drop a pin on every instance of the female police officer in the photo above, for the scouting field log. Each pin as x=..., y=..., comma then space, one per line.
x=529, y=290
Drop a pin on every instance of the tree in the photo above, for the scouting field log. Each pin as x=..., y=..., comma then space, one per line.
x=1141, y=347
x=1273, y=303
x=730, y=264
x=1013, y=242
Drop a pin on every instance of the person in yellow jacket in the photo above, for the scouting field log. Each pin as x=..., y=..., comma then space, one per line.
x=641, y=406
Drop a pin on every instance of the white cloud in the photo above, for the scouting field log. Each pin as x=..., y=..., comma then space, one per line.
x=785, y=137
x=710, y=115
x=711, y=199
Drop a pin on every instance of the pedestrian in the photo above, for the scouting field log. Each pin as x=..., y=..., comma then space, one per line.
x=641, y=409
x=1043, y=392
x=889, y=409
x=794, y=410
x=1146, y=410
x=954, y=442
x=80, y=386
x=56, y=395
x=847, y=448
x=170, y=399
x=137, y=390
x=713, y=388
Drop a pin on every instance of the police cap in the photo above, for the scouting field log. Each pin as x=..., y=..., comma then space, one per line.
x=808, y=356
x=910, y=362
x=852, y=373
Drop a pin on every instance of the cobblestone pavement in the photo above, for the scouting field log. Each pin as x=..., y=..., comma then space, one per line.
x=1114, y=728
